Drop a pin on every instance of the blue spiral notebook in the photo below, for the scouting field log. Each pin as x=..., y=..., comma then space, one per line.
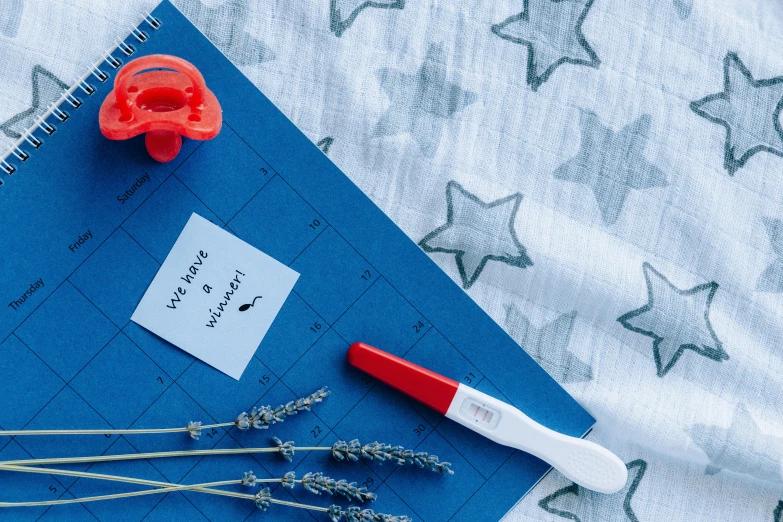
x=86, y=223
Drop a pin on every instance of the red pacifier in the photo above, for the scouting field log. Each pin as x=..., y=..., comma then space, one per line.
x=164, y=104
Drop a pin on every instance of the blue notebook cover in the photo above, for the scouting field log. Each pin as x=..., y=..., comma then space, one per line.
x=86, y=222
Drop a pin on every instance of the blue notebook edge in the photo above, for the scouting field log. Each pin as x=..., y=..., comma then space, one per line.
x=314, y=176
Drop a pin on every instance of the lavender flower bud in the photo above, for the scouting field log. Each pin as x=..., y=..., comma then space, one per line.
x=248, y=479
x=319, y=483
x=286, y=448
x=242, y=421
x=289, y=480
x=355, y=514
x=431, y=462
x=342, y=450
x=263, y=499
x=278, y=414
x=310, y=484
x=264, y=416
x=194, y=430
x=290, y=408
x=381, y=517
x=377, y=451
x=257, y=418
x=335, y=513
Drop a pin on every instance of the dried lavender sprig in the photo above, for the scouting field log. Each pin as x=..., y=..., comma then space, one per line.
x=340, y=450
x=355, y=514
x=204, y=487
x=319, y=483
x=264, y=416
x=352, y=450
x=165, y=487
x=193, y=429
x=260, y=418
x=263, y=500
x=287, y=449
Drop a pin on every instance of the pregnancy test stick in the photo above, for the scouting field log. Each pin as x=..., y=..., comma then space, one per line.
x=586, y=463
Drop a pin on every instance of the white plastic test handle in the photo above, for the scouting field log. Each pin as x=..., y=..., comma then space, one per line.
x=585, y=463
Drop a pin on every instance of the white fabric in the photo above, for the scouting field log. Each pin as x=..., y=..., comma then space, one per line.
x=622, y=183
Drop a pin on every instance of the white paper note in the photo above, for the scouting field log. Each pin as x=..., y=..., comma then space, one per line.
x=215, y=296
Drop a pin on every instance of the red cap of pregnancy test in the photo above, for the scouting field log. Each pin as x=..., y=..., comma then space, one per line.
x=427, y=387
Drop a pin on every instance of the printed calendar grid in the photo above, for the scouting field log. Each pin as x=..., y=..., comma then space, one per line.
x=175, y=381
x=54, y=374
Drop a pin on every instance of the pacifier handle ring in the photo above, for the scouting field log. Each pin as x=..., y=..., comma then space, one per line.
x=156, y=61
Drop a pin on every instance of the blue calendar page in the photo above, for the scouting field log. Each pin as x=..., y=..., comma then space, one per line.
x=86, y=223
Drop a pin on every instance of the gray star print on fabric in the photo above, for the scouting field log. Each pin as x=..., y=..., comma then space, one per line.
x=344, y=12
x=683, y=8
x=421, y=102
x=741, y=448
x=581, y=505
x=225, y=25
x=749, y=110
x=11, y=17
x=47, y=89
x=771, y=279
x=548, y=345
x=552, y=32
x=324, y=144
x=477, y=232
x=676, y=320
x=612, y=163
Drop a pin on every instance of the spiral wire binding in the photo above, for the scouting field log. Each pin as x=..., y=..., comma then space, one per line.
x=68, y=96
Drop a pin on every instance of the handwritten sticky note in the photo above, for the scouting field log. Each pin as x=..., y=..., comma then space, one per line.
x=215, y=296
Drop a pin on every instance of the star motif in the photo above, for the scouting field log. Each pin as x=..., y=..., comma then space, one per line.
x=552, y=32
x=12, y=17
x=548, y=345
x=771, y=279
x=581, y=505
x=47, y=89
x=778, y=514
x=741, y=447
x=324, y=144
x=225, y=25
x=749, y=110
x=612, y=163
x=421, y=102
x=477, y=232
x=342, y=13
x=676, y=320
x=683, y=8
